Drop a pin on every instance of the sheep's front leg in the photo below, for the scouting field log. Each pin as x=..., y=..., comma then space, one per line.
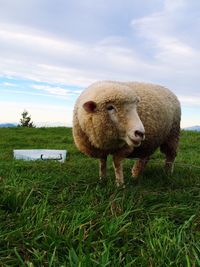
x=102, y=168
x=139, y=166
x=117, y=164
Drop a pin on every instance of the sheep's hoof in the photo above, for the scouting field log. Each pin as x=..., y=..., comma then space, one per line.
x=102, y=180
x=135, y=175
x=135, y=172
x=169, y=169
x=120, y=185
x=136, y=178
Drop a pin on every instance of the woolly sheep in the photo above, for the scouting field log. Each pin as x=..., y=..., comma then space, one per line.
x=126, y=119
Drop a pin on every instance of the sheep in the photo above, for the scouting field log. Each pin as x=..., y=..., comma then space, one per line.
x=127, y=120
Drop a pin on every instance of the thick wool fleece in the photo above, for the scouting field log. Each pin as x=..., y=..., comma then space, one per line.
x=158, y=109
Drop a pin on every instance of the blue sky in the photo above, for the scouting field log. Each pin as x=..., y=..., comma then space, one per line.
x=51, y=50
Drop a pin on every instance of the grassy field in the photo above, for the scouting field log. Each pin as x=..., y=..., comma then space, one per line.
x=54, y=214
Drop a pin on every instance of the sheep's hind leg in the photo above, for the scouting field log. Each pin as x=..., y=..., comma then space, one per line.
x=139, y=167
x=170, y=155
x=169, y=149
x=102, y=168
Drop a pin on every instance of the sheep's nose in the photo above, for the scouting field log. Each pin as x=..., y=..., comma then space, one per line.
x=140, y=134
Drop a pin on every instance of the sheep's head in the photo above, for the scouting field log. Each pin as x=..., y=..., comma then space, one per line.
x=111, y=118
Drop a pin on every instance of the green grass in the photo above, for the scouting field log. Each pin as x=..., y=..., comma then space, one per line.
x=54, y=214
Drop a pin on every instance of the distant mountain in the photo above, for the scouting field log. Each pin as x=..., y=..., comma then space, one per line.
x=193, y=128
x=7, y=125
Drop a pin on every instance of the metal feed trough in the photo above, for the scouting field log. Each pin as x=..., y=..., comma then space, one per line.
x=40, y=154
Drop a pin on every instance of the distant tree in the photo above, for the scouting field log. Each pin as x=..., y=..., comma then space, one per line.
x=25, y=121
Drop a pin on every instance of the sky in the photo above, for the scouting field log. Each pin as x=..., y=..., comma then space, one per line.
x=51, y=50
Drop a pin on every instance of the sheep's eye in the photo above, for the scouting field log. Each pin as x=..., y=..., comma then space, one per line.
x=137, y=100
x=110, y=107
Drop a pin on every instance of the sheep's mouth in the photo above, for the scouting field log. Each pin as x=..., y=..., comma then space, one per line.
x=133, y=143
x=136, y=143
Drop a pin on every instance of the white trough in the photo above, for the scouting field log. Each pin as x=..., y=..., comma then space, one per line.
x=40, y=154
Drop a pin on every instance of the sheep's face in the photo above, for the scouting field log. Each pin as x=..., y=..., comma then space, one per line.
x=114, y=122
x=125, y=119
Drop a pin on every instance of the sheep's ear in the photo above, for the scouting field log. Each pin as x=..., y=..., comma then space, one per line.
x=90, y=106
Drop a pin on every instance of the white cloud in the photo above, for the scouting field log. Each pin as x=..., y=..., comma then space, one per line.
x=58, y=91
x=38, y=41
x=167, y=35
x=8, y=84
x=159, y=29
x=172, y=6
x=31, y=55
x=67, y=61
x=190, y=101
x=23, y=92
